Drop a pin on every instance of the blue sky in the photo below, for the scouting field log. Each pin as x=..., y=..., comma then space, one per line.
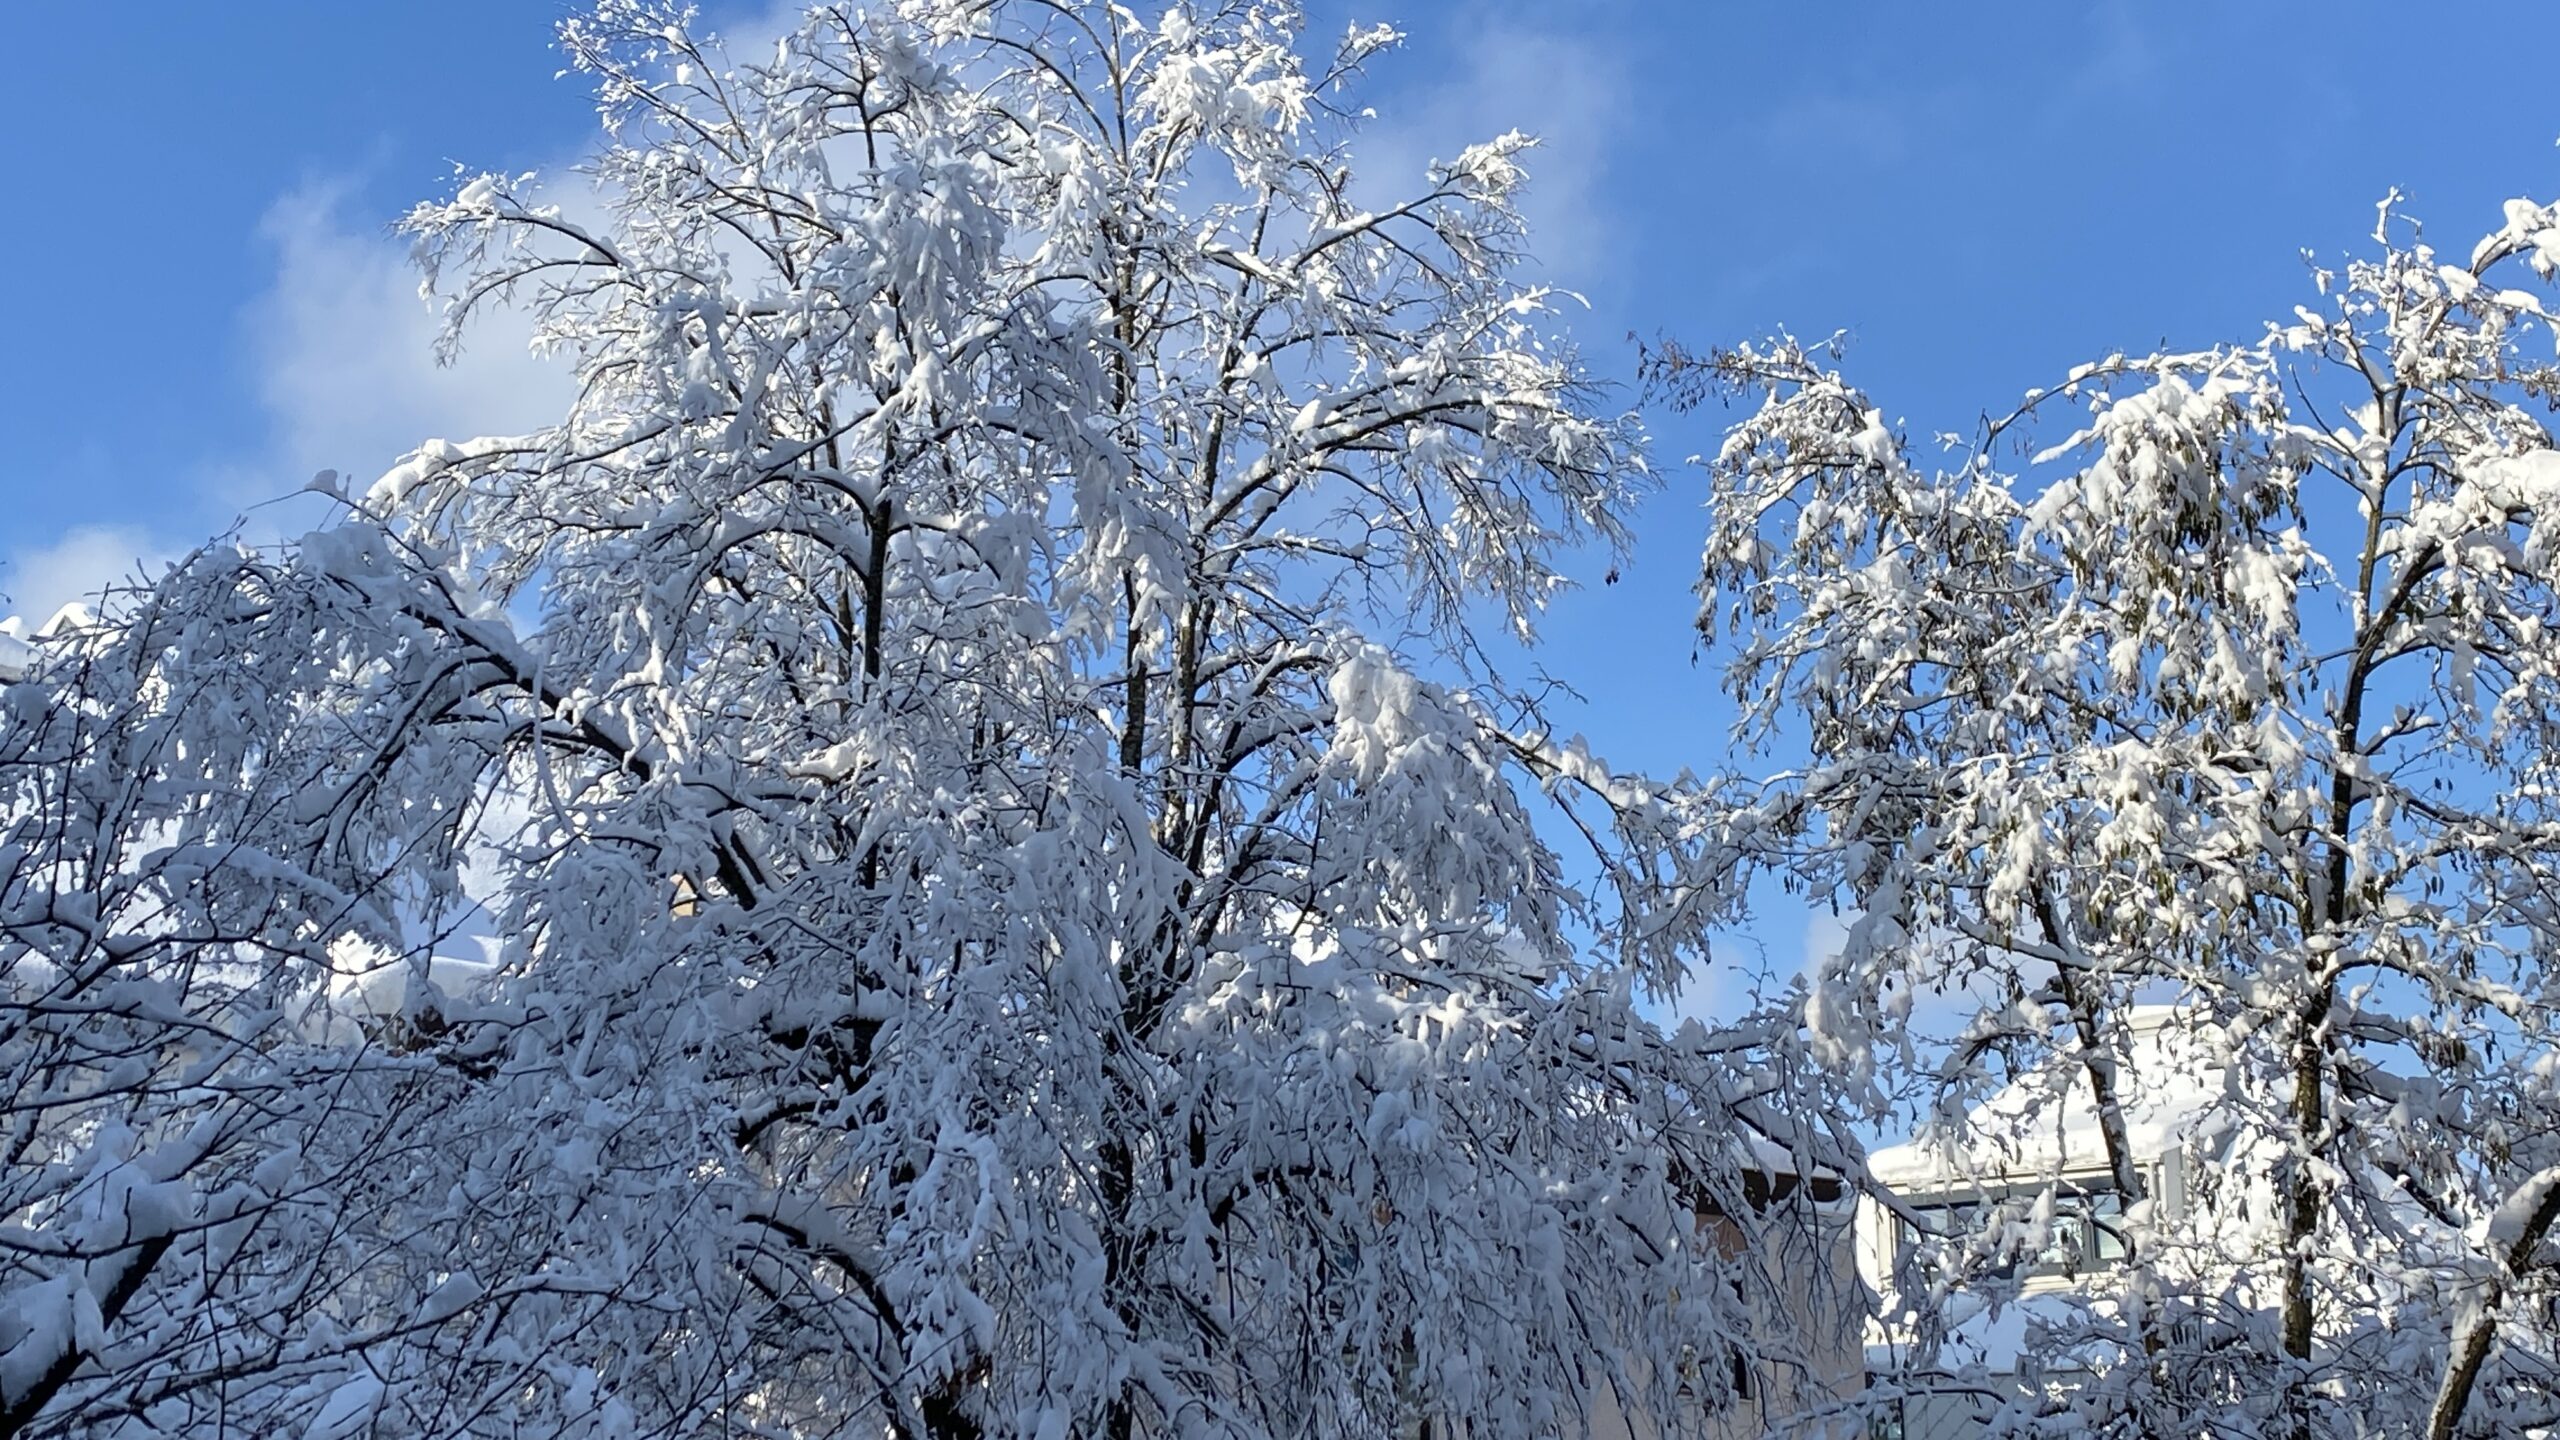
x=207, y=307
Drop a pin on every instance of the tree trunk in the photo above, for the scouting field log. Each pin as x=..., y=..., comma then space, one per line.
x=2476, y=1333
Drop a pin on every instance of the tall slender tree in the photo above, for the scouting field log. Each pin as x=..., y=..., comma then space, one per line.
x=2241, y=696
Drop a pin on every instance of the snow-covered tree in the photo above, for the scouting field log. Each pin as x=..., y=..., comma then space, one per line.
x=1001, y=932
x=218, y=1194
x=2239, y=692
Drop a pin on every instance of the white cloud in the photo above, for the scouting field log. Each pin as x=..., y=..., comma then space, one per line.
x=341, y=350
x=1824, y=934
x=341, y=347
x=344, y=348
x=1559, y=86
x=40, y=580
x=1751, y=963
x=344, y=345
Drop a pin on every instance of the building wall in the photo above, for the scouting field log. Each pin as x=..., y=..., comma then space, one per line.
x=1811, y=1374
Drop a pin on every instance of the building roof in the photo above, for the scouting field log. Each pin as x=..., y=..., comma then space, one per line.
x=19, y=642
x=16, y=655
x=2045, y=1122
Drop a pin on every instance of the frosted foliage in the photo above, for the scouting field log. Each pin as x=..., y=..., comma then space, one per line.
x=1020, y=908
x=2228, y=680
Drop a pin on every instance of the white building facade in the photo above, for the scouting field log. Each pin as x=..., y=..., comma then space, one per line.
x=2028, y=1185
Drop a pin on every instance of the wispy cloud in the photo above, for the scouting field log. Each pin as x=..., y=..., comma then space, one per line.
x=1564, y=87
x=340, y=350
x=2125, y=55
x=340, y=346
x=38, y=580
x=344, y=350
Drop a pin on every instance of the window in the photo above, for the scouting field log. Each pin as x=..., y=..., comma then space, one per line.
x=2087, y=1235
x=2088, y=1231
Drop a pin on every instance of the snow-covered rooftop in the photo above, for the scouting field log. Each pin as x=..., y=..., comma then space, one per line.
x=15, y=653
x=18, y=641
x=2045, y=1121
